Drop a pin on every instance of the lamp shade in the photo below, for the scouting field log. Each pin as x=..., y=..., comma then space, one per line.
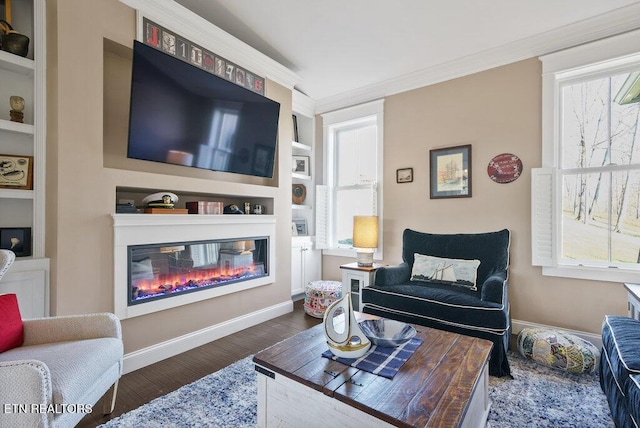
x=365, y=231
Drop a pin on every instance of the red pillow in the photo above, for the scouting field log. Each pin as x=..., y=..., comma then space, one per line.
x=11, y=334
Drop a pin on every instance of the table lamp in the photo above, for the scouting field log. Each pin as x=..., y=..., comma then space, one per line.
x=365, y=238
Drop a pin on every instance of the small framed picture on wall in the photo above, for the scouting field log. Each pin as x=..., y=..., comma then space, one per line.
x=404, y=175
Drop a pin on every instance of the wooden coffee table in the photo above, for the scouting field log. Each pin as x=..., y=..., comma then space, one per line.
x=444, y=384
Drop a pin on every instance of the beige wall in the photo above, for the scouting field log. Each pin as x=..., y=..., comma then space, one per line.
x=496, y=111
x=85, y=122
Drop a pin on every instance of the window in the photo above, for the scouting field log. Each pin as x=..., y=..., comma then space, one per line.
x=586, y=198
x=353, y=176
x=216, y=154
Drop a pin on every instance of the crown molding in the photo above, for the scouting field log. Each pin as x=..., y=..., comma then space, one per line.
x=176, y=17
x=302, y=104
x=618, y=21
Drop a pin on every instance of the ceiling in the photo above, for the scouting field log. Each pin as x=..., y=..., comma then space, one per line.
x=339, y=47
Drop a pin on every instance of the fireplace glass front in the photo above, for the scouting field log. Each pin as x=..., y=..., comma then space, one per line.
x=160, y=271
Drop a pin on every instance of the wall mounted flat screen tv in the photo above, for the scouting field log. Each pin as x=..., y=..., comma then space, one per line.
x=181, y=114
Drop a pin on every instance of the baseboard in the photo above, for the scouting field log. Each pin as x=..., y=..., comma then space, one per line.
x=296, y=297
x=152, y=354
x=158, y=352
x=517, y=326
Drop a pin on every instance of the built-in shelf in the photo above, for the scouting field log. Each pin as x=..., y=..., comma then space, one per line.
x=29, y=263
x=304, y=148
x=300, y=176
x=136, y=195
x=16, y=194
x=21, y=128
x=175, y=220
x=301, y=146
x=16, y=63
x=28, y=277
x=306, y=260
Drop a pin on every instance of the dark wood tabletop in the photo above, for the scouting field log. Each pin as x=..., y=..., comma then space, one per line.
x=431, y=389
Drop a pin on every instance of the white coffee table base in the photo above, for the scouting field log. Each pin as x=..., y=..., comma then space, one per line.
x=283, y=402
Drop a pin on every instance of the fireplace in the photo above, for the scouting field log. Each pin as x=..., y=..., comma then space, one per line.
x=164, y=261
x=166, y=270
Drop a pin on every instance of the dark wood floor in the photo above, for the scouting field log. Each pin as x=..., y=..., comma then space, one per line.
x=143, y=385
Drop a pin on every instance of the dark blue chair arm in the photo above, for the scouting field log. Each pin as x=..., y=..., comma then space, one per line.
x=494, y=288
x=391, y=275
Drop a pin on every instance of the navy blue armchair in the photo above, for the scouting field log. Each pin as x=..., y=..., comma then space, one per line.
x=479, y=310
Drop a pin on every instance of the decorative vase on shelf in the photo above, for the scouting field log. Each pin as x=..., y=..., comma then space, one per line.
x=17, y=107
x=13, y=42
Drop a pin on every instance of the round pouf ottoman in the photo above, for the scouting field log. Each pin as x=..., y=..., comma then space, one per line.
x=558, y=349
x=319, y=295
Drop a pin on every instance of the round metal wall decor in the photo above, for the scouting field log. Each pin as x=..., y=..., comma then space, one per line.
x=504, y=168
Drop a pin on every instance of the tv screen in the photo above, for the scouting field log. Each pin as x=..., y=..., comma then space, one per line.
x=181, y=114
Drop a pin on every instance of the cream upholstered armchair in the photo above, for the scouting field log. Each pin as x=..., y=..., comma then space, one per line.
x=62, y=368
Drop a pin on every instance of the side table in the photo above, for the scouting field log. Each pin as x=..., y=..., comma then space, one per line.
x=633, y=297
x=355, y=278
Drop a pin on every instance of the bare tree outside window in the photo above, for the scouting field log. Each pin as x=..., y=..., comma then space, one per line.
x=600, y=169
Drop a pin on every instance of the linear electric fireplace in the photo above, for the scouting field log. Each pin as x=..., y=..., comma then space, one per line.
x=160, y=271
x=165, y=261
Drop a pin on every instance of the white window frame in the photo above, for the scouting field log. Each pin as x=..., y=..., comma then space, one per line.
x=604, y=57
x=325, y=214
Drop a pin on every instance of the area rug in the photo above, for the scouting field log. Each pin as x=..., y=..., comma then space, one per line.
x=537, y=396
